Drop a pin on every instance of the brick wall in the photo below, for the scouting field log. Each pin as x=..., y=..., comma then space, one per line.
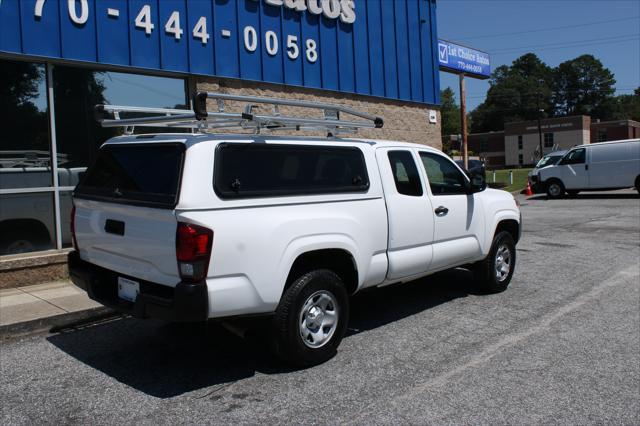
x=407, y=122
x=615, y=130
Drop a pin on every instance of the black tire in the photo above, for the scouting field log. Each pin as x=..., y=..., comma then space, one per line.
x=288, y=342
x=638, y=184
x=572, y=192
x=20, y=240
x=486, y=271
x=555, y=188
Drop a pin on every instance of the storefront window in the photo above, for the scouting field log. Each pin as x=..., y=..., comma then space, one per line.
x=25, y=154
x=27, y=192
x=78, y=90
x=26, y=218
x=26, y=222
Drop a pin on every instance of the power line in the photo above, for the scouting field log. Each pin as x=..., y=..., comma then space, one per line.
x=527, y=94
x=571, y=46
x=586, y=24
x=521, y=95
x=534, y=94
x=617, y=88
x=535, y=46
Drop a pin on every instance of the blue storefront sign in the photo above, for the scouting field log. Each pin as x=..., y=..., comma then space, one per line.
x=385, y=48
x=463, y=60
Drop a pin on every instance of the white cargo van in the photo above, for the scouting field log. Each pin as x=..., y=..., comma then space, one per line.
x=595, y=167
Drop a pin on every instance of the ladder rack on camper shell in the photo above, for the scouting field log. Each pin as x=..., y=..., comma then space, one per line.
x=201, y=119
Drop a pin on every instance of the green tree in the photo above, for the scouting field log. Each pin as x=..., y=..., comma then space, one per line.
x=513, y=94
x=621, y=107
x=450, y=113
x=583, y=86
x=23, y=107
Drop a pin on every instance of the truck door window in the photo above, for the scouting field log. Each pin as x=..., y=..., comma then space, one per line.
x=444, y=177
x=577, y=156
x=405, y=173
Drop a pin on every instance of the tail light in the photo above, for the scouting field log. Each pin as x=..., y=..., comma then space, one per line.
x=73, y=227
x=193, y=251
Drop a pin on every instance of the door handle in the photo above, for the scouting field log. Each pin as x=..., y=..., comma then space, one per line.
x=586, y=167
x=441, y=211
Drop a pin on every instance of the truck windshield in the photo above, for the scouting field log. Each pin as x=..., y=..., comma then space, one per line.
x=147, y=175
x=548, y=160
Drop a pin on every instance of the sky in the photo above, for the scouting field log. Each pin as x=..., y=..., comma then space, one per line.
x=555, y=30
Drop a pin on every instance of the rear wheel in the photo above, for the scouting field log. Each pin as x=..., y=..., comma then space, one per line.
x=21, y=240
x=311, y=319
x=638, y=184
x=494, y=273
x=555, y=189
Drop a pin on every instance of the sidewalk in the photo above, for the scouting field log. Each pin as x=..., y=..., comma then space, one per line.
x=42, y=306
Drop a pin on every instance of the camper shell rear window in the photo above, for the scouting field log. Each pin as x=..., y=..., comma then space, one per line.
x=137, y=174
x=262, y=170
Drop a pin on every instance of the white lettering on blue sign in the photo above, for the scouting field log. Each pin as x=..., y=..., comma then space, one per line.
x=114, y=13
x=461, y=59
x=307, y=43
x=443, y=53
x=37, y=11
x=73, y=13
x=331, y=9
x=200, y=30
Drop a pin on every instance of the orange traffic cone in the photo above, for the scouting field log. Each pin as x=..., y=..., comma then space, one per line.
x=528, y=192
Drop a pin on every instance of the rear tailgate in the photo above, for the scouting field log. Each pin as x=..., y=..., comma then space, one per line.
x=125, y=218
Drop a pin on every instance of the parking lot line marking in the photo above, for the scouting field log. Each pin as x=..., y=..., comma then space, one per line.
x=629, y=275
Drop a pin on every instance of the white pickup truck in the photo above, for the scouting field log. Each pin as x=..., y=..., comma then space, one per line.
x=189, y=227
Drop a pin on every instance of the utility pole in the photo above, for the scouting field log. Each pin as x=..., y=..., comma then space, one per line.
x=539, y=120
x=463, y=122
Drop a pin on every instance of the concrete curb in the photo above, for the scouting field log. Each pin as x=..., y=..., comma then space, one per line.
x=57, y=321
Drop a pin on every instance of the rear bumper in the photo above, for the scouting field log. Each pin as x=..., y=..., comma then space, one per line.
x=186, y=302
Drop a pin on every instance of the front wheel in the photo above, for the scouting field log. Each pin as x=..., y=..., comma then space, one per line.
x=555, y=189
x=494, y=273
x=311, y=319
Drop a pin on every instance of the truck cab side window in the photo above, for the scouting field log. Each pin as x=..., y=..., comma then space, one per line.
x=577, y=156
x=444, y=177
x=405, y=173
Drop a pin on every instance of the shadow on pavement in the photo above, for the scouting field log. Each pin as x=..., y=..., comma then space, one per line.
x=381, y=306
x=165, y=360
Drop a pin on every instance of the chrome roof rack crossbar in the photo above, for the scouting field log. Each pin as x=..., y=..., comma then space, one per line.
x=202, y=119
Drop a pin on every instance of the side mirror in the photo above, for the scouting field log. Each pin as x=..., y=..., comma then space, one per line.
x=477, y=184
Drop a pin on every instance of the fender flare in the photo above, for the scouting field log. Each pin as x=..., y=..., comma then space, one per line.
x=499, y=216
x=308, y=243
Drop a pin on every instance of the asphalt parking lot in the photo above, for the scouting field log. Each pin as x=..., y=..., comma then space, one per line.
x=561, y=345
